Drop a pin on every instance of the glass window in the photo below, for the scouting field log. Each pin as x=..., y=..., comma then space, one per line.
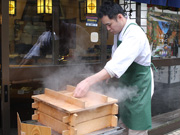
x=143, y=22
x=144, y=14
x=46, y=46
x=53, y=33
x=129, y=8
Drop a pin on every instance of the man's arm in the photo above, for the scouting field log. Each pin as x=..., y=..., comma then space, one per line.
x=83, y=87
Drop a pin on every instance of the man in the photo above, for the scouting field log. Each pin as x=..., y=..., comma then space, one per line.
x=131, y=60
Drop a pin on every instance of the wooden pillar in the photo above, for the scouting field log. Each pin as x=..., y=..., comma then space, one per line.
x=55, y=30
x=104, y=34
x=138, y=13
x=5, y=92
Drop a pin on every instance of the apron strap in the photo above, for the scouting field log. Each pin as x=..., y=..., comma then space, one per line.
x=118, y=41
x=154, y=67
x=128, y=26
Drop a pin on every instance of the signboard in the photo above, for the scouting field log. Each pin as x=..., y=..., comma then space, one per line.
x=91, y=21
x=163, y=34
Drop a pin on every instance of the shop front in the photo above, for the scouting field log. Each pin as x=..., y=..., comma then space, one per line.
x=54, y=43
x=42, y=41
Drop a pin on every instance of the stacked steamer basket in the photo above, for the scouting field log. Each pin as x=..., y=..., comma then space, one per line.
x=68, y=115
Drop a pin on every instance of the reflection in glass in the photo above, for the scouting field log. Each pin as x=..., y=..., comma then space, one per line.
x=48, y=39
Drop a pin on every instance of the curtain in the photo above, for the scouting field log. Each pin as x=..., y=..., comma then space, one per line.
x=174, y=3
x=170, y=3
x=142, y=1
x=159, y=2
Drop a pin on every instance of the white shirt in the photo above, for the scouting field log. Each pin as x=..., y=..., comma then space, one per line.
x=134, y=48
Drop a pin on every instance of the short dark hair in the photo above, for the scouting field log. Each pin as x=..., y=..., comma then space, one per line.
x=110, y=9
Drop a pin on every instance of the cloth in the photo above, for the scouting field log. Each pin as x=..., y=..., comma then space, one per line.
x=135, y=112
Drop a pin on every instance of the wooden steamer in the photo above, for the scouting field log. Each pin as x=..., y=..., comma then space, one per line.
x=74, y=116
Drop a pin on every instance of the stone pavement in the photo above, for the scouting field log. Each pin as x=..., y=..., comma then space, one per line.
x=175, y=132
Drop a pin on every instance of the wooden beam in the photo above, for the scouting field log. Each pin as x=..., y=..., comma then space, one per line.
x=97, y=97
x=62, y=97
x=95, y=124
x=80, y=116
x=81, y=128
x=70, y=88
x=91, y=94
x=114, y=121
x=35, y=105
x=57, y=114
x=93, y=114
x=67, y=103
x=73, y=119
x=55, y=124
x=29, y=129
x=19, y=124
x=114, y=109
x=35, y=117
x=65, y=98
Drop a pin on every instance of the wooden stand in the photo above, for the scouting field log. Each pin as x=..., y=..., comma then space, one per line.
x=74, y=116
x=29, y=129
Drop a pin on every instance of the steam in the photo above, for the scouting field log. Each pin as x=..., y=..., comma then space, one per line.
x=118, y=92
x=76, y=39
x=122, y=93
x=73, y=74
x=70, y=75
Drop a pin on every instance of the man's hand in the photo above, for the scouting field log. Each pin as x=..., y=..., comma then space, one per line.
x=81, y=89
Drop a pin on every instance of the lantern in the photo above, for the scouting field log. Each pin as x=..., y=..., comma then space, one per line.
x=12, y=7
x=44, y=6
x=91, y=6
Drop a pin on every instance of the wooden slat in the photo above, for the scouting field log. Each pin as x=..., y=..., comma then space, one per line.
x=35, y=117
x=65, y=132
x=35, y=105
x=57, y=114
x=94, y=125
x=65, y=119
x=19, y=124
x=81, y=128
x=73, y=119
x=70, y=88
x=67, y=103
x=114, y=121
x=56, y=104
x=55, y=124
x=96, y=96
x=81, y=116
x=92, y=114
x=114, y=109
x=29, y=129
x=66, y=98
x=73, y=131
x=61, y=97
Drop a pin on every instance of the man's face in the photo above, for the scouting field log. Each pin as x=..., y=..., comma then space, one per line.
x=113, y=25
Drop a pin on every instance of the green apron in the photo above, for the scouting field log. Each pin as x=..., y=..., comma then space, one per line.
x=135, y=113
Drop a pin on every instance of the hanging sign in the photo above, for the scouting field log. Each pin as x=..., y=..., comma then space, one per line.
x=91, y=21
